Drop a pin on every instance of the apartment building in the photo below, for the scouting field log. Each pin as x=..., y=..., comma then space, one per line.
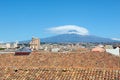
x=9, y=45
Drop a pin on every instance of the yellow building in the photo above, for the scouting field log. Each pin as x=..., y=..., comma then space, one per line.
x=35, y=44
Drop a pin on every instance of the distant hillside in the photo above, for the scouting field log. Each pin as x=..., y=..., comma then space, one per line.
x=64, y=38
x=75, y=38
x=24, y=41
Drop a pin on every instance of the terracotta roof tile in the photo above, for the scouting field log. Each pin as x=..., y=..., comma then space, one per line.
x=61, y=74
x=71, y=66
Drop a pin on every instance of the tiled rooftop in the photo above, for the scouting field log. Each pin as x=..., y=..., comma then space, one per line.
x=59, y=74
x=59, y=66
x=75, y=59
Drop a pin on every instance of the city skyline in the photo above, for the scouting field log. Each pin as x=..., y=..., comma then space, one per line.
x=22, y=19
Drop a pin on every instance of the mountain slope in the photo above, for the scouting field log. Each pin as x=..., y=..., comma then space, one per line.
x=75, y=38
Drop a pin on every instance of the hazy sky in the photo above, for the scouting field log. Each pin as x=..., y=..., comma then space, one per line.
x=22, y=19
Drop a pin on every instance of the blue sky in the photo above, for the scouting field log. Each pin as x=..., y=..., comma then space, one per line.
x=22, y=19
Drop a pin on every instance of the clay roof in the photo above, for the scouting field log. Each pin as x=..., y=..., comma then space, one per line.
x=98, y=49
x=74, y=59
x=53, y=66
x=24, y=49
x=59, y=74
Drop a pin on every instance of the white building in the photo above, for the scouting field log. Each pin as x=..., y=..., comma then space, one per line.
x=114, y=51
x=2, y=45
x=14, y=45
x=55, y=50
x=8, y=45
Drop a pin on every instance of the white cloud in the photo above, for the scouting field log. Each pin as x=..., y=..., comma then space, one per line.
x=117, y=39
x=69, y=29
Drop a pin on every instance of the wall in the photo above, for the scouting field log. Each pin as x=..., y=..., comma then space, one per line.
x=114, y=51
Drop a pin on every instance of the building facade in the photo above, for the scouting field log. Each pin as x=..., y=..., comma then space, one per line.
x=35, y=44
x=9, y=45
x=115, y=51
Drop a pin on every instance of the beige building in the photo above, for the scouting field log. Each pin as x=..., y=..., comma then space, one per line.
x=35, y=44
x=5, y=45
x=8, y=45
